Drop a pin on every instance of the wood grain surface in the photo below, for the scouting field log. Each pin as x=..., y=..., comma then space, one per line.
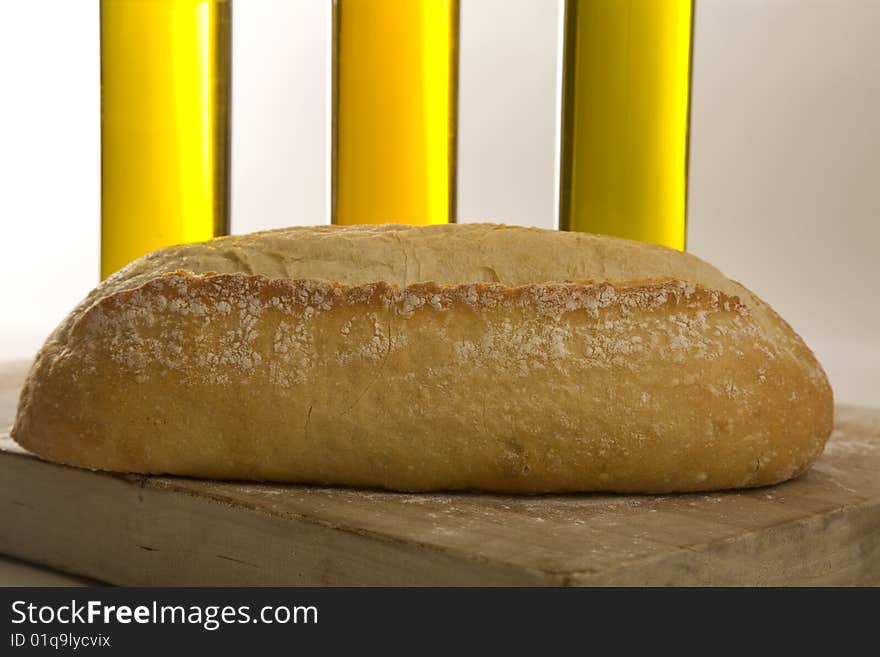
x=821, y=529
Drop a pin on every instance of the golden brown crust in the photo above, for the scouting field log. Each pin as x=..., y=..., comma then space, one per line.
x=636, y=385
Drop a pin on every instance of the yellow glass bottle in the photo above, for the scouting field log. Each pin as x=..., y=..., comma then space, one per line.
x=625, y=104
x=164, y=125
x=395, y=84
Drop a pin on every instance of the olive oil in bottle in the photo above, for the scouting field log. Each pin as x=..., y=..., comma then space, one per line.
x=164, y=125
x=394, y=102
x=626, y=91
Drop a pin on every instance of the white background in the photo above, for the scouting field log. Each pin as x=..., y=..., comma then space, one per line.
x=785, y=150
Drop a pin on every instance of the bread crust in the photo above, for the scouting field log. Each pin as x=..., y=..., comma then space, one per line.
x=640, y=385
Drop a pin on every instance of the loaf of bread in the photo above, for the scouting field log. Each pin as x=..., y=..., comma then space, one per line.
x=468, y=356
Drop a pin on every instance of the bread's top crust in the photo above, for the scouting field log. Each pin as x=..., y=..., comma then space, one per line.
x=448, y=254
x=401, y=256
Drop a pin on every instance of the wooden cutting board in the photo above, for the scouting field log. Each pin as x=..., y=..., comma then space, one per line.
x=823, y=528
